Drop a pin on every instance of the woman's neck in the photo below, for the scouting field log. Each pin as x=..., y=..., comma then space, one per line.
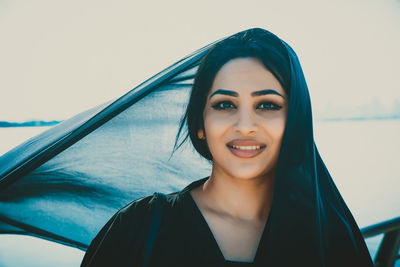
x=245, y=199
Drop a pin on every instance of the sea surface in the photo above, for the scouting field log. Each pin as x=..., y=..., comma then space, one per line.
x=362, y=156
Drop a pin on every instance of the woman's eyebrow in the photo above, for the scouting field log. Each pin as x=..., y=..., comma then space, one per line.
x=224, y=92
x=266, y=92
x=255, y=93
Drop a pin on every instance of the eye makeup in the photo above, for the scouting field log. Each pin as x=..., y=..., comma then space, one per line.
x=268, y=105
x=262, y=105
x=223, y=105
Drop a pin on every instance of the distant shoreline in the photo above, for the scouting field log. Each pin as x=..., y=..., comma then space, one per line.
x=378, y=118
x=6, y=124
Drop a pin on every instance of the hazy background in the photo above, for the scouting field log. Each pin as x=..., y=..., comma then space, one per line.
x=58, y=58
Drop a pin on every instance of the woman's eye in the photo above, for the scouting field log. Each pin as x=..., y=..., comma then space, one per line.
x=268, y=106
x=224, y=105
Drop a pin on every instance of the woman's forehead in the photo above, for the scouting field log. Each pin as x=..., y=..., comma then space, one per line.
x=245, y=75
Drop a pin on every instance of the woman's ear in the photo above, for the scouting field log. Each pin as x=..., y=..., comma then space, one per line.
x=200, y=134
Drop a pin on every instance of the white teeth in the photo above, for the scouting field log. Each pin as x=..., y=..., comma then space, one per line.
x=246, y=147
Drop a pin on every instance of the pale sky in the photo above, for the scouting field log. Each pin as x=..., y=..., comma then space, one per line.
x=58, y=58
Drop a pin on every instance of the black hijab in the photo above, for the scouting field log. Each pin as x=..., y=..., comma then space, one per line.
x=310, y=223
x=80, y=172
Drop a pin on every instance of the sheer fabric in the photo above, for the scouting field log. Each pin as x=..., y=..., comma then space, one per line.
x=64, y=184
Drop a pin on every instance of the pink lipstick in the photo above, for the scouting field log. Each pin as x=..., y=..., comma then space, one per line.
x=245, y=148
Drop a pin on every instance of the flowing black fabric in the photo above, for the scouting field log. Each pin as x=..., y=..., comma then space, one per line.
x=64, y=186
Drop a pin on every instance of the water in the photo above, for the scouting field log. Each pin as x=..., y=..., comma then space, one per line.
x=362, y=157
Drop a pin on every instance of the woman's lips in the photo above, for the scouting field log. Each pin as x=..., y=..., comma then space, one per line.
x=245, y=148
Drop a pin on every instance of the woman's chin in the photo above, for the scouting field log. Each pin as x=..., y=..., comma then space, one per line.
x=249, y=175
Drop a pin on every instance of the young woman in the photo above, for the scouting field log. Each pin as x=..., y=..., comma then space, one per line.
x=269, y=200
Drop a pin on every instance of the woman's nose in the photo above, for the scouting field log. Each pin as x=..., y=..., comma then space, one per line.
x=246, y=122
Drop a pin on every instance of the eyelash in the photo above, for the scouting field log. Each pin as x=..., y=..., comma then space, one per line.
x=222, y=105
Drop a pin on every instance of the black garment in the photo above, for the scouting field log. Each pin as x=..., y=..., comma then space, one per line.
x=309, y=223
x=184, y=237
x=238, y=263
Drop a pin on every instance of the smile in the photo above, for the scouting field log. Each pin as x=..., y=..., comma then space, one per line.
x=245, y=149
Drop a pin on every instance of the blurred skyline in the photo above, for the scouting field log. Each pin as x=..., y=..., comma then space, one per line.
x=59, y=58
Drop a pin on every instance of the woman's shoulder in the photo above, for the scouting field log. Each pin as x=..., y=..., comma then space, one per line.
x=127, y=229
x=147, y=203
x=139, y=208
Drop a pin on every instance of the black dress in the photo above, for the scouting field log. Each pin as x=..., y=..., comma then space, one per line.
x=309, y=222
x=184, y=237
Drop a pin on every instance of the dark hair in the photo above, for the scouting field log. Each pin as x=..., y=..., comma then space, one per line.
x=255, y=43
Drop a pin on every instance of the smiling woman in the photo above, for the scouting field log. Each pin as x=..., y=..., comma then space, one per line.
x=243, y=128
x=269, y=194
x=249, y=121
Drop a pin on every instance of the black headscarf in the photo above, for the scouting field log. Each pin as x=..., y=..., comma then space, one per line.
x=64, y=184
x=310, y=223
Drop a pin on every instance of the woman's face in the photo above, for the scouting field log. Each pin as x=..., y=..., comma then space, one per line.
x=244, y=119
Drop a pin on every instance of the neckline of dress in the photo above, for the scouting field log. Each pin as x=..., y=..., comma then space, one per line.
x=204, y=223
